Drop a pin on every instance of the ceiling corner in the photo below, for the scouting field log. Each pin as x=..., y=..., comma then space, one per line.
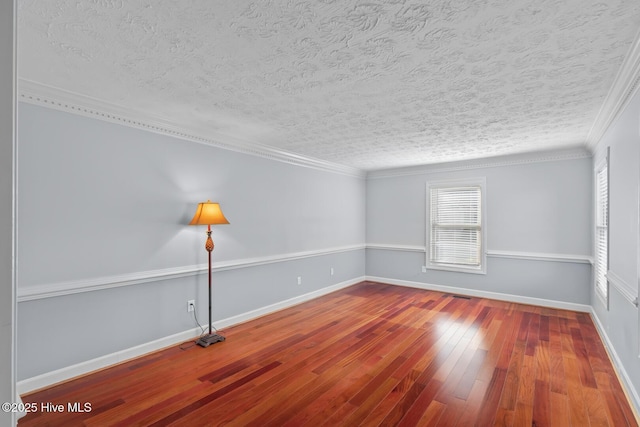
x=623, y=89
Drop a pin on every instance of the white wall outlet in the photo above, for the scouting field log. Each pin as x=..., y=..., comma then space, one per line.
x=191, y=305
x=332, y=271
x=299, y=280
x=424, y=268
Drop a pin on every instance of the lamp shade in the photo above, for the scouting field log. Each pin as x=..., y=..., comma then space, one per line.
x=208, y=213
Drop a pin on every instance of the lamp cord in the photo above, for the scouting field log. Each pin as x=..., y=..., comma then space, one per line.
x=192, y=343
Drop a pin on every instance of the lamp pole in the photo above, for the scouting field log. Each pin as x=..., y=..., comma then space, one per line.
x=209, y=213
x=209, y=247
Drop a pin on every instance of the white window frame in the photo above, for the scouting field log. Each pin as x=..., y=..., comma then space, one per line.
x=473, y=182
x=601, y=231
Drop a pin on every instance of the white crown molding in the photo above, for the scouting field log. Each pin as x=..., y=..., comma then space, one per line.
x=39, y=94
x=623, y=376
x=49, y=290
x=627, y=291
x=43, y=95
x=69, y=372
x=488, y=162
x=623, y=89
x=484, y=294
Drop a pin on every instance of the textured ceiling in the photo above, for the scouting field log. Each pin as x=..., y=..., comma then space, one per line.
x=368, y=84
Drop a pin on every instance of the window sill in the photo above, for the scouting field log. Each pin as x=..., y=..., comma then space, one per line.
x=456, y=268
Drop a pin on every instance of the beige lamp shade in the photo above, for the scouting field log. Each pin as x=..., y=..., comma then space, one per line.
x=208, y=213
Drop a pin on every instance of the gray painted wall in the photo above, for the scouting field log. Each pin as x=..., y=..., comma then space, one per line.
x=7, y=183
x=532, y=208
x=620, y=319
x=98, y=200
x=118, y=200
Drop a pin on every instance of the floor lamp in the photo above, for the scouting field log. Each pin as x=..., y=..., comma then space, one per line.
x=209, y=213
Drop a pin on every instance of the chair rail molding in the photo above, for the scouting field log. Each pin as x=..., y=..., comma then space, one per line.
x=541, y=256
x=623, y=287
x=394, y=247
x=531, y=256
x=49, y=290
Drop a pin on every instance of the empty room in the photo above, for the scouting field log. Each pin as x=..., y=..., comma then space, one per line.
x=289, y=212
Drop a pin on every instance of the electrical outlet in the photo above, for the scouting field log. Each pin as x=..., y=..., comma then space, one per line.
x=424, y=268
x=299, y=280
x=332, y=271
x=191, y=305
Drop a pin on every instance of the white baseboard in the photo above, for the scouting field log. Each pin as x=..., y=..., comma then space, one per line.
x=64, y=374
x=69, y=372
x=50, y=378
x=630, y=390
x=486, y=294
x=254, y=314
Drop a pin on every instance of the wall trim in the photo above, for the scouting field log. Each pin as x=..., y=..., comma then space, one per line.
x=392, y=247
x=64, y=374
x=488, y=162
x=485, y=294
x=623, y=376
x=58, y=99
x=50, y=290
x=623, y=287
x=541, y=256
x=622, y=90
x=531, y=256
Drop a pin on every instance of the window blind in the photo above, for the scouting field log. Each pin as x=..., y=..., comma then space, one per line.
x=455, y=226
x=602, y=232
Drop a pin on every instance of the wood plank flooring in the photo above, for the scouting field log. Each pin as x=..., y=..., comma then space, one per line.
x=371, y=354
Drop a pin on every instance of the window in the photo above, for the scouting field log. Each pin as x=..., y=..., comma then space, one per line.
x=455, y=223
x=602, y=231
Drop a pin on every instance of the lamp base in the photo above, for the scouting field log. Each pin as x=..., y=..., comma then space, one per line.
x=207, y=340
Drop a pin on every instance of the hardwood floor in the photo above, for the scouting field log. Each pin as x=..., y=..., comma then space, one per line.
x=371, y=354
